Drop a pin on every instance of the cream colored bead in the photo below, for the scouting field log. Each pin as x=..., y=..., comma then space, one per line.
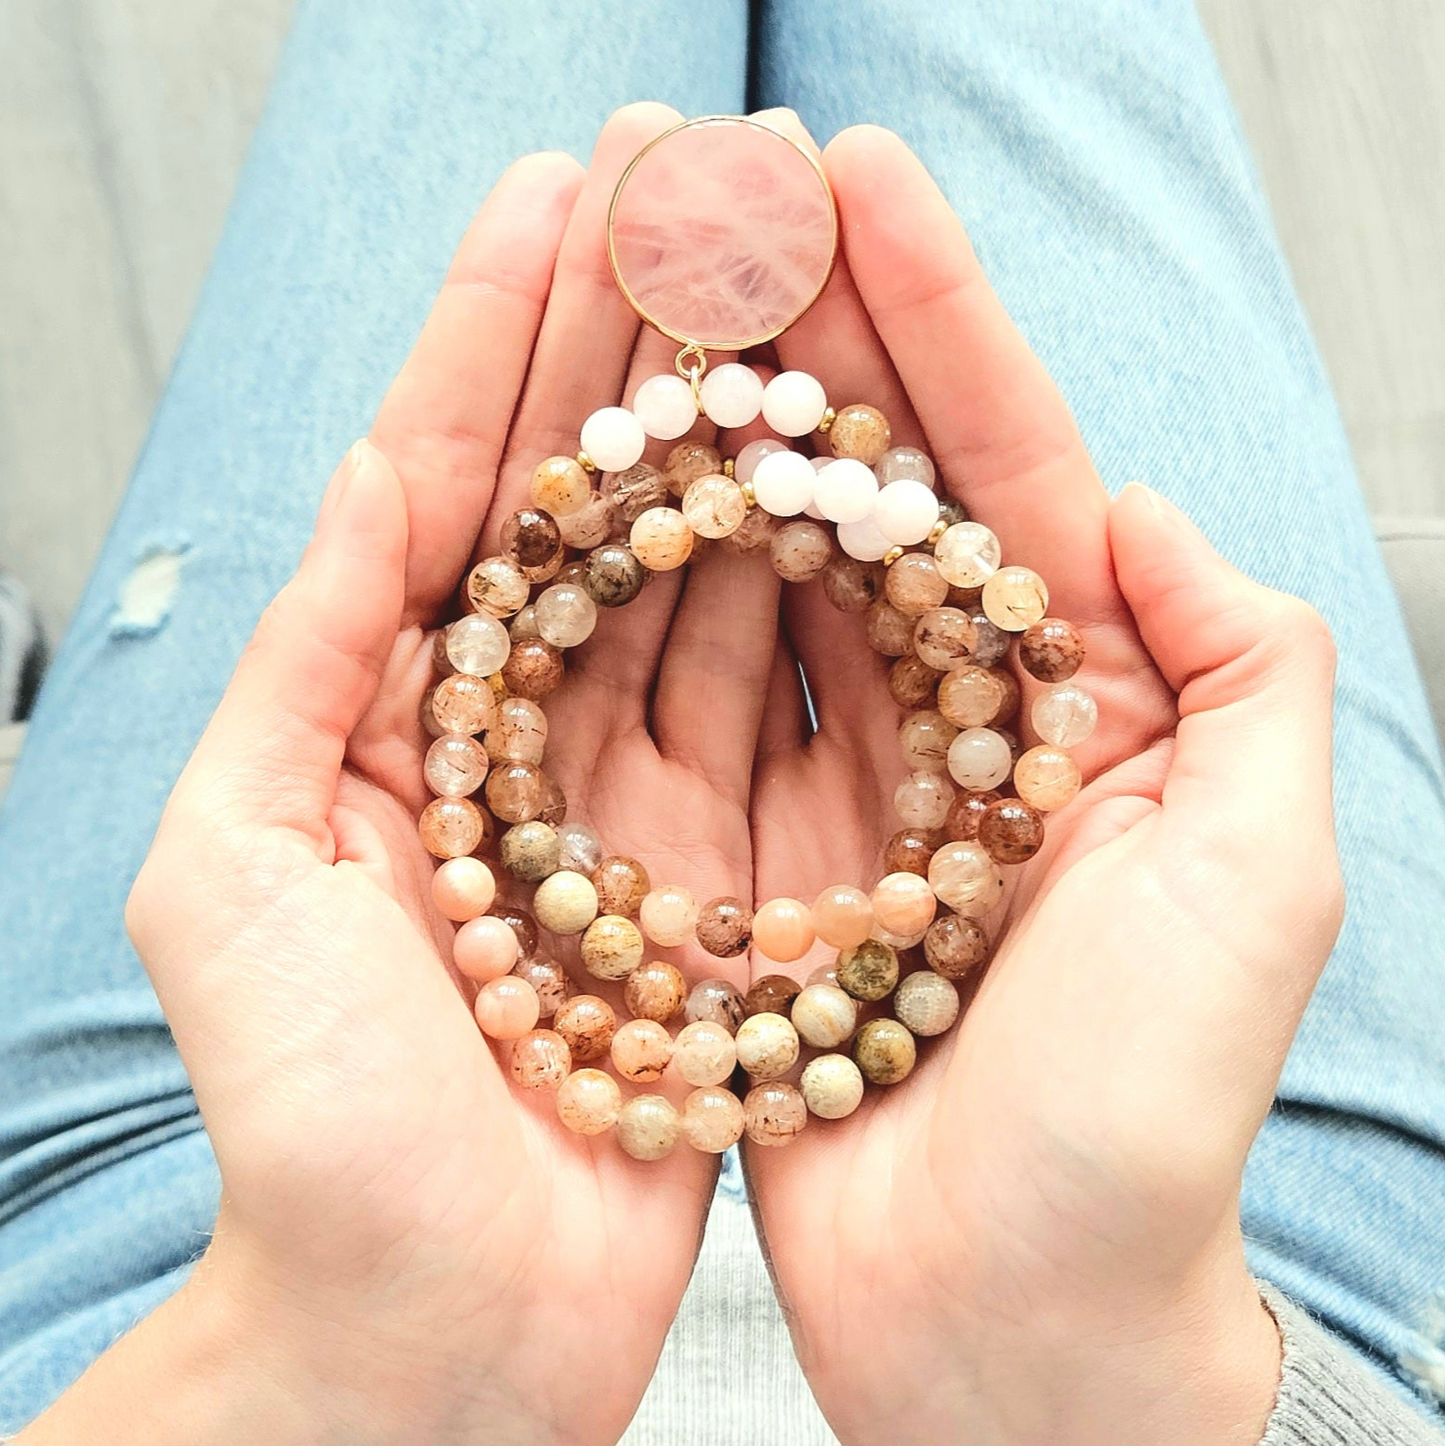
x=963, y=876
x=704, y=1053
x=1064, y=715
x=668, y=914
x=926, y=1002
x=1015, y=598
x=979, y=759
x=478, y=645
x=662, y=539
x=565, y=615
x=1047, y=778
x=903, y=903
x=824, y=1016
x=832, y=1086
x=767, y=1045
x=565, y=903
x=588, y=1102
x=612, y=947
x=922, y=800
x=927, y=737
x=967, y=554
x=648, y=1127
x=712, y=1119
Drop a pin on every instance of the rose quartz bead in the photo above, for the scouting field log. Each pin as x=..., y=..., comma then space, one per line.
x=648, y=1127
x=712, y=1119
x=1015, y=598
x=774, y=1113
x=519, y=734
x=560, y=485
x=954, y=946
x=944, y=637
x=724, y=927
x=621, y=885
x=824, y=1015
x=922, y=800
x=783, y=930
x=455, y=766
x=869, y=971
x=664, y=405
x=668, y=914
x=926, y=737
x=842, y=916
x=613, y=438
x=716, y=1001
x=926, y=1003
x=533, y=669
x=566, y=615
x=909, y=850
x=852, y=586
x=885, y=1051
x=589, y=526
x=968, y=554
x=889, y=631
x=800, y=551
x=832, y=1086
x=477, y=644
x=579, y=848
x=540, y=1060
x=589, y=1102
x=1051, y=650
x=1047, y=778
x=688, y=461
x=463, y=704
x=732, y=394
x=979, y=758
x=863, y=540
x=485, y=948
x=747, y=459
x=565, y=902
x=900, y=463
x=861, y=433
x=972, y=697
x=611, y=947
x=714, y=506
x=794, y=403
x=905, y=512
x=783, y=483
x=548, y=978
x=655, y=990
x=463, y=889
x=845, y=491
x=1065, y=715
x=661, y=539
x=913, y=684
x=903, y=903
x=915, y=585
x=704, y=1053
x=587, y=1023
x=965, y=878
x=451, y=827
x=506, y=1008
x=641, y=1049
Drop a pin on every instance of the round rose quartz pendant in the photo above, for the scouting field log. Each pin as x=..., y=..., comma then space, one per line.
x=722, y=232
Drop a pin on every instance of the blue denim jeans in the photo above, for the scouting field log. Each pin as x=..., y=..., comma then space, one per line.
x=1090, y=147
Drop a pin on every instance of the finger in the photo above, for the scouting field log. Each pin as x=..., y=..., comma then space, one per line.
x=786, y=727
x=272, y=752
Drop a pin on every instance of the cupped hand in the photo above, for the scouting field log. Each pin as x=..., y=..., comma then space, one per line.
x=1035, y=1238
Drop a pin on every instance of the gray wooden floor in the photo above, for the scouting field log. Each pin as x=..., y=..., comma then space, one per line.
x=122, y=123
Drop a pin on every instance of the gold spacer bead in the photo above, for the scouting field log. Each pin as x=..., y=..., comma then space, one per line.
x=936, y=531
x=585, y=462
x=728, y=466
x=749, y=496
x=829, y=417
x=892, y=556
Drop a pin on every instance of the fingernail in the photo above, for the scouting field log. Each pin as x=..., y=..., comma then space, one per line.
x=351, y=464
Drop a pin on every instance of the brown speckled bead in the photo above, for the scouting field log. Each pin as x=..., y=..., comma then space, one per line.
x=641, y=1049
x=655, y=990
x=648, y=1127
x=868, y=971
x=853, y=586
x=1052, y=650
x=972, y=697
x=587, y=1023
x=910, y=849
x=530, y=851
x=860, y=431
x=560, y=485
x=533, y=668
x=514, y=792
x=530, y=538
x=589, y=1102
x=451, y=827
x=520, y=733
x=955, y=946
x=800, y=550
x=889, y=631
x=926, y=1003
x=1011, y=830
x=914, y=584
x=712, y=1119
x=774, y=1113
x=912, y=683
x=614, y=575
x=521, y=923
x=622, y=884
x=540, y=1060
x=885, y=1051
x=549, y=979
x=496, y=586
x=632, y=492
x=944, y=637
x=717, y=1002
x=724, y=927
x=772, y=994
x=687, y=462
x=966, y=813
x=753, y=532
x=462, y=704
x=611, y=947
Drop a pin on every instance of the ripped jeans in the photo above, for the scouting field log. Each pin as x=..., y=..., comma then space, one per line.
x=1090, y=146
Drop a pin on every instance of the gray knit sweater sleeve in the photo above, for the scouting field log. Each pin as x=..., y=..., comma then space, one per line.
x=1328, y=1398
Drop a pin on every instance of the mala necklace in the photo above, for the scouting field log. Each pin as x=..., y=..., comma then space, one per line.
x=862, y=519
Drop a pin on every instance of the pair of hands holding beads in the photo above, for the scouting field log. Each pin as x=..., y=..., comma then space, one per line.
x=1036, y=1239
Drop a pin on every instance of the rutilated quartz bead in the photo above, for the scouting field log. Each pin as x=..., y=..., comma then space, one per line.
x=915, y=585
x=926, y=737
x=687, y=462
x=861, y=432
x=968, y=554
x=648, y=1127
x=566, y=615
x=842, y=916
x=926, y=1003
x=712, y=1119
x=1015, y=598
x=714, y=506
x=903, y=903
x=832, y=1086
x=868, y=971
x=463, y=889
x=783, y=930
x=477, y=644
x=548, y=978
x=530, y=851
x=611, y=947
x=774, y=1113
x=641, y=1049
x=1011, y=830
x=485, y=948
x=718, y=1002
x=589, y=1102
x=823, y=974
x=1051, y=650
x=1009, y=707
x=519, y=734
x=524, y=624
x=824, y=1015
x=540, y=1060
x=590, y=525
x=635, y=490
x=451, y=827
x=922, y=800
x=565, y=902
x=966, y=813
x=655, y=990
x=885, y=1051
x=1065, y=715
x=955, y=946
x=800, y=551
x=944, y=637
x=772, y=994
x=767, y=1045
x=533, y=669
x=909, y=850
x=852, y=586
x=992, y=641
x=1047, y=778
x=704, y=1053
x=587, y=1023
x=621, y=884
x=514, y=792
x=580, y=848
x=521, y=923
x=614, y=576
x=554, y=802
x=668, y=914
x=965, y=878
x=662, y=539
x=455, y=766
x=496, y=586
x=972, y=697
x=754, y=532
x=889, y=631
x=912, y=683
x=463, y=704
x=724, y=927
x=907, y=464
x=574, y=572
x=561, y=486
x=506, y=1008
x=531, y=539
x=979, y=758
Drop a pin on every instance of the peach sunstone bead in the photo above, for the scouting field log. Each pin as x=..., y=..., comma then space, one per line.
x=655, y=990
x=668, y=914
x=955, y=946
x=889, y=631
x=648, y=1127
x=462, y=889
x=772, y=994
x=662, y=539
x=926, y=737
x=533, y=669
x=704, y=1053
x=641, y=1049
x=718, y=1002
x=922, y=800
x=825, y=1016
x=1015, y=598
x=842, y=916
x=687, y=462
x=861, y=432
x=587, y=1023
x=540, y=1060
x=714, y=506
x=497, y=587
x=506, y=1008
x=885, y=1051
x=1051, y=650
x=832, y=1086
x=485, y=948
x=903, y=903
x=519, y=734
x=621, y=885
x=712, y=1119
x=612, y=947
x=853, y=586
x=774, y=1113
x=915, y=585
x=868, y=971
x=565, y=902
x=783, y=930
x=800, y=550
x=463, y=704
x=724, y=927
x=548, y=978
x=965, y=878
x=926, y=1003
x=589, y=1102
x=451, y=827
x=561, y=486
x=1047, y=778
